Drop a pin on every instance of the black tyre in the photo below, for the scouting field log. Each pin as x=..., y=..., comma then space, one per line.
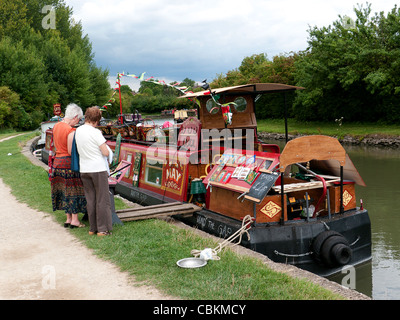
x=335, y=251
x=319, y=241
x=341, y=253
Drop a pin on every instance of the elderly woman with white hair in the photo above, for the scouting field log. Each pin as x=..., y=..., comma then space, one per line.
x=66, y=185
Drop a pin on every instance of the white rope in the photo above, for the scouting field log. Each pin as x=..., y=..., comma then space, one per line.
x=247, y=221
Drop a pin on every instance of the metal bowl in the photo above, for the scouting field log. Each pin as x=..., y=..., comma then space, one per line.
x=191, y=263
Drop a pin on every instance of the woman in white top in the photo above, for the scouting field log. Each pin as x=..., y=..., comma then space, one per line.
x=92, y=149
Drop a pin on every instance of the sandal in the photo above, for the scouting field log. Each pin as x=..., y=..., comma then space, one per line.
x=81, y=225
x=66, y=225
x=106, y=233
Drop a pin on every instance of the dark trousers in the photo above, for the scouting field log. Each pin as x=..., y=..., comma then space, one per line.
x=97, y=195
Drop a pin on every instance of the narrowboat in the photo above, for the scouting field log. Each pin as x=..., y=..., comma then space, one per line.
x=168, y=113
x=301, y=200
x=182, y=115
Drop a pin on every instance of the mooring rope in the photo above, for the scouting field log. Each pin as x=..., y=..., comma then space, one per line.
x=247, y=221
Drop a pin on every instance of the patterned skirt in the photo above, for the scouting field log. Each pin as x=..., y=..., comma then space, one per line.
x=66, y=188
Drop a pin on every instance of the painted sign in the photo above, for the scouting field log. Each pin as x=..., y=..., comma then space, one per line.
x=346, y=198
x=271, y=209
x=136, y=168
x=173, y=176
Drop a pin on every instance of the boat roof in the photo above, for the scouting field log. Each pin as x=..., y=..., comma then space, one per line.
x=253, y=88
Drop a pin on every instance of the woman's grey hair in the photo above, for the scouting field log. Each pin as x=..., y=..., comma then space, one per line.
x=72, y=111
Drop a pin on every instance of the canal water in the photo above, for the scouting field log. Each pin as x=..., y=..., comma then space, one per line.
x=380, y=169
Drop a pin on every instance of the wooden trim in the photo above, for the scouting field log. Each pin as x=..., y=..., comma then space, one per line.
x=229, y=186
x=292, y=187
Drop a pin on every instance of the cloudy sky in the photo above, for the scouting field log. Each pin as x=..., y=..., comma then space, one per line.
x=175, y=39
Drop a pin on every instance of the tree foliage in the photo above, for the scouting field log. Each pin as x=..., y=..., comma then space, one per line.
x=352, y=71
x=154, y=97
x=349, y=70
x=257, y=69
x=44, y=66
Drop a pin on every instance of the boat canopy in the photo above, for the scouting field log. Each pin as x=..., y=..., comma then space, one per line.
x=325, y=153
x=309, y=148
x=254, y=88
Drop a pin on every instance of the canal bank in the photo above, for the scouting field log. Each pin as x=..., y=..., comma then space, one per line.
x=371, y=140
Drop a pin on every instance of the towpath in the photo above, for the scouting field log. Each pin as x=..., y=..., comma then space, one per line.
x=40, y=260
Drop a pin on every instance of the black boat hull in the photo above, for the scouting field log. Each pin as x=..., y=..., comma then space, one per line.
x=291, y=243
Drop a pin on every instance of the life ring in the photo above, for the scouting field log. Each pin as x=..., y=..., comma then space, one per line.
x=207, y=169
x=331, y=249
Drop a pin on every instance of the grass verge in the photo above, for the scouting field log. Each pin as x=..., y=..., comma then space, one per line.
x=149, y=249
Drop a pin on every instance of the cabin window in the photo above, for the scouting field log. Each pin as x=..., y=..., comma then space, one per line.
x=153, y=173
x=212, y=107
x=241, y=104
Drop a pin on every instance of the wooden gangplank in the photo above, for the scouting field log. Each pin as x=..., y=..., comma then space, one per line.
x=158, y=210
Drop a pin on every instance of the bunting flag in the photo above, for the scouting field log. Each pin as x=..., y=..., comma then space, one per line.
x=110, y=101
x=141, y=77
x=225, y=107
x=226, y=114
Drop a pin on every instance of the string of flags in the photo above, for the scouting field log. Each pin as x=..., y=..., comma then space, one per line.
x=225, y=107
x=175, y=85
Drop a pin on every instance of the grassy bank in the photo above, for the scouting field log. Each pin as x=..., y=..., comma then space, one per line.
x=338, y=129
x=149, y=249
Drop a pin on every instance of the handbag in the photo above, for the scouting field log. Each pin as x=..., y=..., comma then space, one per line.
x=74, y=156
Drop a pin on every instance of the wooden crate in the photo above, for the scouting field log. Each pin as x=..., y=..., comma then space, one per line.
x=349, y=197
x=225, y=202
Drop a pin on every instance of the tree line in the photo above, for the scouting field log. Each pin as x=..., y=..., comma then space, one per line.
x=350, y=69
x=43, y=62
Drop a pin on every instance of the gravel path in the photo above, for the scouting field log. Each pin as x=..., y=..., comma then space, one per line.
x=41, y=260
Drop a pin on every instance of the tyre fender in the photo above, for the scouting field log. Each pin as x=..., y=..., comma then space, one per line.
x=336, y=251
x=331, y=248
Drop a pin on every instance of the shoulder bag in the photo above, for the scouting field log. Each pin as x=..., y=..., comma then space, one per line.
x=74, y=156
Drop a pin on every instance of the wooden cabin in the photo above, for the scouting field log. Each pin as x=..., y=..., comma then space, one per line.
x=243, y=111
